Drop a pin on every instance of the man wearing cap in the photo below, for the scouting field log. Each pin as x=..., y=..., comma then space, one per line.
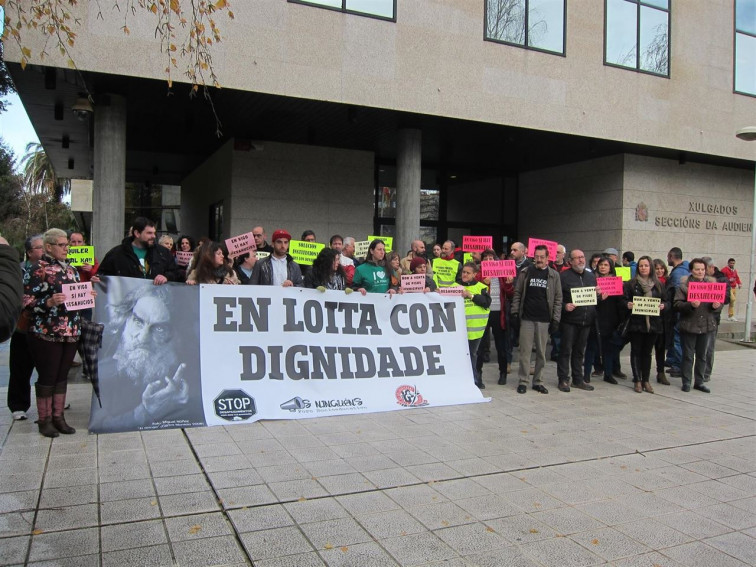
x=612, y=254
x=279, y=268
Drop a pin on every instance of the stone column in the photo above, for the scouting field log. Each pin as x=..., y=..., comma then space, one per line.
x=408, y=171
x=109, y=185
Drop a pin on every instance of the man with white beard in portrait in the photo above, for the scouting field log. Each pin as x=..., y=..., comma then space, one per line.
x=151, y=380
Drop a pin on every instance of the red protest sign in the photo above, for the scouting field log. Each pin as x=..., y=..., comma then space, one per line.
x=412, y=283
x=498, y=268
x=610, y=285
x=551, y=245
x=707, y=292
x=183, y=258
x=78, y=296
x=238, y=245
x=476, y=243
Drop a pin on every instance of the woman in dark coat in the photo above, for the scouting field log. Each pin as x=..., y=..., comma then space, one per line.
x=644, y=330
x=326, y=272
x=608, y=316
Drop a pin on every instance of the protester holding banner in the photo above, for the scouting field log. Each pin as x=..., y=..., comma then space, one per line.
x=371, y=276
x=609, y=312
x=54, y=331
x=643, y=329
x=326, y=272
x=697, y=321
x=244, y=265
x=393, y=264
x=212, y=267
x=138, y=257
x=279, y=268
x=419, y=265
x=477, y=306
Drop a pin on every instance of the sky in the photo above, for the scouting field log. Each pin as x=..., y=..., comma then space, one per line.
x=15, y=128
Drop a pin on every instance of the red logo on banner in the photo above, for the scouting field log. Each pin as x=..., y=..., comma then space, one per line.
x=408, y=396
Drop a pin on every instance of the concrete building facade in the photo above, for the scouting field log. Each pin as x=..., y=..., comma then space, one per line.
x=324, y=111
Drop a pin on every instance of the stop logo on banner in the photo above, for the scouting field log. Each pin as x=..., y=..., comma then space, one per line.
x=234, y=405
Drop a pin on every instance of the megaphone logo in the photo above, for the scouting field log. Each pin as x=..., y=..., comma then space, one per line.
x=295, y=404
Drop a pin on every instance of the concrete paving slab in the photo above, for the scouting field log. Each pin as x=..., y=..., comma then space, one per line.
x=524, y=480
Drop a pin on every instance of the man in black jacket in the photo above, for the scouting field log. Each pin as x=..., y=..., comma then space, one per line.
x=138, y=257
x=279, y=268
x=11, y=289
x=576, y=322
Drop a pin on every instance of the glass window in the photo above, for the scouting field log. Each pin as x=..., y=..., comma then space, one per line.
x=533, y=24
x=637, y=35
x=745, y=46
x=385, y=9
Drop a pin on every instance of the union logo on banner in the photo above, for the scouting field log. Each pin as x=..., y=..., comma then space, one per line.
x=409, y=397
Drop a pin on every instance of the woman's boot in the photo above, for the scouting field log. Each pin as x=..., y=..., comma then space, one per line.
x=638, y=387
x=661, y=377
x=59, y=403
x=647, y=387
x=44, y=409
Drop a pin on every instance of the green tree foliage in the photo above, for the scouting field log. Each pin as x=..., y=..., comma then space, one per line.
x=25, y=211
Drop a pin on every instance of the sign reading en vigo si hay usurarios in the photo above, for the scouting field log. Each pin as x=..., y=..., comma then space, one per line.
x=186, y=356
x=707, y=292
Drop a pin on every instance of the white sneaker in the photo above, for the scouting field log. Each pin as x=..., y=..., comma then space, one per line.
x=734, y=319
x=19, y=415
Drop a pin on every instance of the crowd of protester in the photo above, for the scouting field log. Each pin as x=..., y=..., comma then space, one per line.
x=524, y=311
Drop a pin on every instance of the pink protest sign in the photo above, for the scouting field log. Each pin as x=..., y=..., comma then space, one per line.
x=453, y=290
x=78, y=296
x=498, y=268
x=413, y=283
x=476, y=243
x=533, y=242
x=183, y=258
x=707, y=292
x=610, y=285
x=238, y=245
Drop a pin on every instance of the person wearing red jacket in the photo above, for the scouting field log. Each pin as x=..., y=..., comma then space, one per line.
x=735, y=284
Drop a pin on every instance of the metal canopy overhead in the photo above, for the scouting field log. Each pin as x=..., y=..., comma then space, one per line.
x=170, y=134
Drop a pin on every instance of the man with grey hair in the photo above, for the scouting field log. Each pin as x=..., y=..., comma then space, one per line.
x=347, y=250
x=713, y=272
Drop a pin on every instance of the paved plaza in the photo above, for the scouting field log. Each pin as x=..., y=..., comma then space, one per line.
x=608, y=477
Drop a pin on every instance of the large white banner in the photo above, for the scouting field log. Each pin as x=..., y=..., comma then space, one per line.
x=186, y=356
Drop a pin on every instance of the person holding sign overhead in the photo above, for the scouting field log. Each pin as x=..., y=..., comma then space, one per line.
x=279, y=268
x=54, y=330
x=697, y=320
x=578, y=316
x=644, y=328
x=138, y=257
